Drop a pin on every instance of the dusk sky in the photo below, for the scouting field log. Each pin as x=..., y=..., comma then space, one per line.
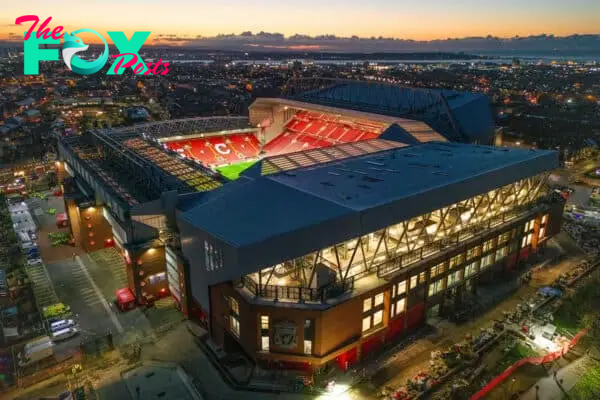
x=421, y=20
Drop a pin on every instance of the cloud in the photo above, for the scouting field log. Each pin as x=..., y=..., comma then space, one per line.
x=271, y=41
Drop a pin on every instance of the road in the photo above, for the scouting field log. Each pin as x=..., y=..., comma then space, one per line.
x=415, y=358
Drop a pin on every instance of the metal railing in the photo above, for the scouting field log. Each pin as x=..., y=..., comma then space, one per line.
x=453, y=239
x=298, y=293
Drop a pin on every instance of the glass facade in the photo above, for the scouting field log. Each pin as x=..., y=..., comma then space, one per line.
x=400, y=245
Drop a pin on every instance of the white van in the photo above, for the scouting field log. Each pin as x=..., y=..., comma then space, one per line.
x=64, y=334
x=61, y=324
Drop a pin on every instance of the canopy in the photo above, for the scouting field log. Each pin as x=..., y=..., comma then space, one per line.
x=124, y=296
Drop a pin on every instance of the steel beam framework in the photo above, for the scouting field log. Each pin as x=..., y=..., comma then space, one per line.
x=176, y=127
x=397, y=246
x=421, y=104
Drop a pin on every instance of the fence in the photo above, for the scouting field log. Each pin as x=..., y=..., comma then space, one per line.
x=529, y=360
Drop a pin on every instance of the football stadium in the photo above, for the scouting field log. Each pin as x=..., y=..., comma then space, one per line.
x=327, y=223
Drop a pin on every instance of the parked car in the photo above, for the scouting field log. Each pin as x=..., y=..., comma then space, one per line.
x=34, y=261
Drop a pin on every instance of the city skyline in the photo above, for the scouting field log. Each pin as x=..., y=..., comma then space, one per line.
x=399, y=20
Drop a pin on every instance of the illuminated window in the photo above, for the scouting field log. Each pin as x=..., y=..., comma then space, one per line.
x=422, y=277
x=542, y=232
x=436, y=270
x=473, y=252
x=487, y=246
x=487, y=261
x=471, y=269
x=264, y=343
x=454, y=278
x=378, y=300
x=505, y=237
x=457, y=260
x=264, y=322
x=367, y=304
x=501, y=253
x=234, y=325
x=545, y=219
x=366, y=323
x=524, y=242
x=308, y=347
x=399, y=307
x=414, y=281
x=529, y=238
x=234, y=305
x=401, y=288
x=377, y=318
x=436, y=287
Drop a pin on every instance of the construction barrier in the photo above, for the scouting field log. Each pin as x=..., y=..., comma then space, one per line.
x=529, y=360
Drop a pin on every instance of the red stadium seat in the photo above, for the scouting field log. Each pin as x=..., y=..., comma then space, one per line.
x=216, y=150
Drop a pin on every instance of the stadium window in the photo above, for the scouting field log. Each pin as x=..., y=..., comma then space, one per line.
x=529, y=238
x=264, y=323
x=503, y=238
x=487, y=261
x=264, y=343
x=470, y=269
x=524, y=242
x=235, y=326
x=413, y=281
x=501, y=253
x=398, y=307
x=422, y=277
x=234, y=305
x=378, y=300
x=234, y=316
x=436, y=270
x=456, y=260
x=545, y=219
x=401, y=288
x=377, y=318
x=308, y=336
x=487, y=246
x=367, y=305
x=308, y=347
x=542, y=232
x=366, y=323
x=436, y=287
x=473, y=252
x=454, y=278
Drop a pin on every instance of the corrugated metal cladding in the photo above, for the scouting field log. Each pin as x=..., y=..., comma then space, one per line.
x=471, y=111
x=264, y=220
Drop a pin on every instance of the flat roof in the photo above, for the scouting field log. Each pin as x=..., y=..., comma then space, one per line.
x=361, y=194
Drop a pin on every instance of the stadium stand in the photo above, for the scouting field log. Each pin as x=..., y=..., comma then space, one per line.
x=213, y=151
x=310, y=130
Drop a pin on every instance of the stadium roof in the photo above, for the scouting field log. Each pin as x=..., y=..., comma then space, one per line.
x=316, y=206
x=459, y=116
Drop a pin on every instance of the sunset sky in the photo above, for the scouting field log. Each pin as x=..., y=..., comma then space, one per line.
x=421, y=20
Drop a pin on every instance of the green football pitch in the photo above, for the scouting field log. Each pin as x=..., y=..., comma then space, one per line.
x=233, y=171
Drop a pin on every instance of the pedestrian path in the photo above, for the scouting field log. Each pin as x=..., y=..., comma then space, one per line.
x=108, y=270
x=43, y=290
x=548, y=388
